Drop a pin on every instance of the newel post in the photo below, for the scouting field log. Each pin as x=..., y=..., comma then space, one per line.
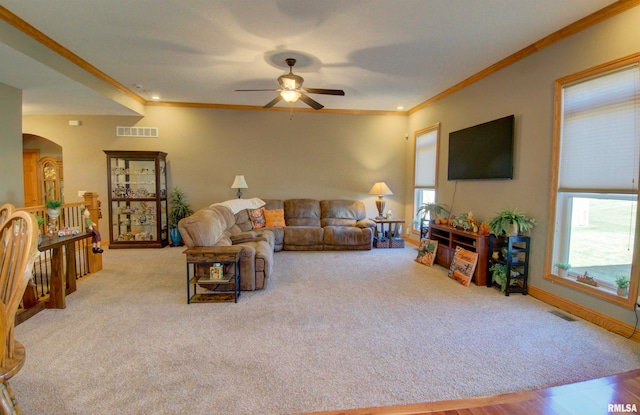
x=93, y=204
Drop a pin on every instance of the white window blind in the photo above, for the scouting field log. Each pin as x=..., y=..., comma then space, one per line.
x=426, y=145
x=600, y=144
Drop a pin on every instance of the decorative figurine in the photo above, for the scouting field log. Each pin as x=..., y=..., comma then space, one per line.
x=587, y=279
x=89, y=226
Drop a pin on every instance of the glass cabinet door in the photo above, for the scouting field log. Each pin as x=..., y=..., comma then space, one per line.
x=137, y=199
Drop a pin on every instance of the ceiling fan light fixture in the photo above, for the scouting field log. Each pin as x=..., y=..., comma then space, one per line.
x=290, y=95
x=291, y=90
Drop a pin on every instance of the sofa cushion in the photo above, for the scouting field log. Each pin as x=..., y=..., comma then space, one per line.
x=243, y=237
x=257, y=264
x=274, y=217
x=263, y=264
x=347, y=237
x=273, y=204
x=299, y=238
x=338, y=222
x=302, y=212
x=342, y=212
x=278, y=237
x=216, y=220
x=243, y=222
x=267, y=234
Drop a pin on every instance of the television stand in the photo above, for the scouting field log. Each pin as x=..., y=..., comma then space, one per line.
x=449, y=238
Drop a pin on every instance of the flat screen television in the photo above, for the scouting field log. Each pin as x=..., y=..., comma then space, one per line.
x=482, y=152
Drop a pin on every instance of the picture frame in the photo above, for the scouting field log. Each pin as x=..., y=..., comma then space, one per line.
x=216, y=272
x=463, y=265
x=427, y=251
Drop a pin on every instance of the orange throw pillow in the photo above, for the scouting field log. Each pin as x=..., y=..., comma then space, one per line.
x=274, y=217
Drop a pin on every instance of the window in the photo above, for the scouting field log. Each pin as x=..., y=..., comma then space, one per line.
x=595, y=184
x=425, y=169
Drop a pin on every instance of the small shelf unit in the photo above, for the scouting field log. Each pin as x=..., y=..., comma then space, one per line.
x=511, y=252
x=199, y=262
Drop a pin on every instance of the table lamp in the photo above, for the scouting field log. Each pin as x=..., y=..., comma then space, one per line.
x=381, y=189
x=239, y=183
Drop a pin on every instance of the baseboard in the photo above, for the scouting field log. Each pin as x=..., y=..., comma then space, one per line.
x=23, y=315
x=585, y=313
x=411, y=241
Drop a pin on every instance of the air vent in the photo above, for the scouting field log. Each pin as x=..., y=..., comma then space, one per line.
x=146, y=132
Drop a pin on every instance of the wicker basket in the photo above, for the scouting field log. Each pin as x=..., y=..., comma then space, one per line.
x=397, y=242
x=381, y=242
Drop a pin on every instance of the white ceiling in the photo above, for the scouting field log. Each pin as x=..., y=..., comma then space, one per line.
x=382, y=53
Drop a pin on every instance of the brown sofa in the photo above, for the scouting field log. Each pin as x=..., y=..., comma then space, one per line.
x=310, y=225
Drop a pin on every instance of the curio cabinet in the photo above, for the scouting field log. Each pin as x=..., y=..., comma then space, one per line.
x=137, y=199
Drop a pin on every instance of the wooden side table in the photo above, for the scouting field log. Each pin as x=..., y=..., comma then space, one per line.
x=394, y=230
x=199, y=260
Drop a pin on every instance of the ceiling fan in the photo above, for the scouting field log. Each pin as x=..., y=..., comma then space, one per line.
x=291, y=89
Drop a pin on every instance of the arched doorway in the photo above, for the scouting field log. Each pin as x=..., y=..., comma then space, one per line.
x=42, y=170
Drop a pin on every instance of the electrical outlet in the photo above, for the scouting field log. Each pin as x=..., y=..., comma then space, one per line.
x=81, y=193
x=638, y=302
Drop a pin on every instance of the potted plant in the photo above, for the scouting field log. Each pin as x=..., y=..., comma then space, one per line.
x=622, y=282
x=563, y=267
x=179, y=210
x=53, y=211
x=53, y=208
x=499, y=275
x=434, y=210
x=511, y=222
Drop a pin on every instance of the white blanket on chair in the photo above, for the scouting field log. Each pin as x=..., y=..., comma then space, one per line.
x=237, y=205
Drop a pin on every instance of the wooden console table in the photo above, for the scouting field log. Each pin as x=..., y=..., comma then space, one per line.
x=449, y=238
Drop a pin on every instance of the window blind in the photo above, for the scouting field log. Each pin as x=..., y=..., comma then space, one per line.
x=600, y=144
x=425, y=172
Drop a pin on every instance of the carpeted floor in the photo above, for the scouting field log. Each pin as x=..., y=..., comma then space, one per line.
x=334, y=330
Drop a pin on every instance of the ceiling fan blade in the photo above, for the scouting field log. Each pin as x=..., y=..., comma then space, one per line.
x=310, y=102
x=324, y=91
x=253, y=90
x=274, y=101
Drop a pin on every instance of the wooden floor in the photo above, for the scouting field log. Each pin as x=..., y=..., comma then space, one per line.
x=591, y=397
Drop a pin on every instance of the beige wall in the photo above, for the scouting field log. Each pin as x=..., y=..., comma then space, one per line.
x=11, y=182
x=311, y=155
x=526, y=90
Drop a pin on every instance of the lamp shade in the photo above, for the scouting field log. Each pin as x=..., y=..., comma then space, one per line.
x=380, y=189
x=239, y=183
